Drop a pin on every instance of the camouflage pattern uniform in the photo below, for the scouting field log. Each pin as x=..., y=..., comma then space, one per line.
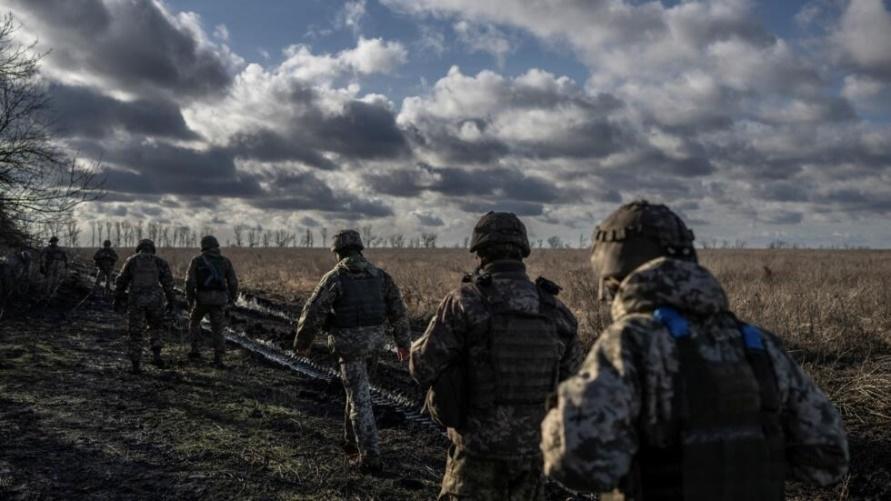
x=627, y=399
x=149, y=281
x=357, y=347
x=495, y=454
x=53, y=264
x=211, y=286
x=105, y=258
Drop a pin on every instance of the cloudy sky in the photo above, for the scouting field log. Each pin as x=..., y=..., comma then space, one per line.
x=757, y=120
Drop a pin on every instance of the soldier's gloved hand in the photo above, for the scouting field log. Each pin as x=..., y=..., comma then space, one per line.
x=403, y=354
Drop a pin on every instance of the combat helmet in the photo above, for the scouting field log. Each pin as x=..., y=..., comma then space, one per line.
x=346, y=239
x=106, y=243
x=500, y=228
x=54, y=239
x=209, y=242
x=146, y=244
x=634, y=234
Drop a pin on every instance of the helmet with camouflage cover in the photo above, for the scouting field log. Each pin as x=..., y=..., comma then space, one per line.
x=346, y=239
x=145, y=245
x=500, y=228
x=106, y=243
x=209, y=242
x=634, y=234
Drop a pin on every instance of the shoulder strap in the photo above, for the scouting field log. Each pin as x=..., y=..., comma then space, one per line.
x=214, y=273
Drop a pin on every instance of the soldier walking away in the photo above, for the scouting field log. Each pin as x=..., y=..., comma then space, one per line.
x=679, y=399
x=147, y=278
x=211, y=286
x=16, y=274
x=105, y=258
x=53, y=265
x=511, y=341
x=353, y=303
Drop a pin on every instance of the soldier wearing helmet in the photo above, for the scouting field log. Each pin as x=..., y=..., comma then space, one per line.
x=53, y=265
x=354, y=302
x=495, y=350
x=105, y=259
x=678, y=398
x=148, y=279
x=211, y=286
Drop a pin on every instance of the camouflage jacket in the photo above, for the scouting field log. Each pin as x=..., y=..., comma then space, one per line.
x=51, y=255
x=462, y=315
x=105, y=257
x=212, y=297
x=357, y=341
x=623, y=393
x=147, y=295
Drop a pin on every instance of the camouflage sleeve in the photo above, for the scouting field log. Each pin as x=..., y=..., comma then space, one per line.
x=567, y=328
x=816, y=442
x=589, y=438
x=396, y=312
x=316, y=310
x=192, y=280
x=442, y=342
x=166, y=278
x=231, y=281
x=123, y=280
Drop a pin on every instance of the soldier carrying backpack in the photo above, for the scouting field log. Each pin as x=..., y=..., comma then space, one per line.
x=211, y=286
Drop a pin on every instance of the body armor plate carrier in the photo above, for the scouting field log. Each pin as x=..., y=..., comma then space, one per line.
x=729, y=443
x=146, y=274
x=524, y=352
x=361, y=303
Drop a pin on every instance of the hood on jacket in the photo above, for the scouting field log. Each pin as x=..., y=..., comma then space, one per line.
x=355, y=264
x=682, y=285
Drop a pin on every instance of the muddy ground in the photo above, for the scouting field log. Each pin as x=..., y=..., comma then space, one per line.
x=75, y=424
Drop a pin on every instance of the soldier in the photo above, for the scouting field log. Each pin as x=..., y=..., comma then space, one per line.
x=513, y=341
x=211, y=286
x=16, y=274
x=105, y=259
x=354, y=302
x=53, y=265
x=149, y=281
x=679, y=399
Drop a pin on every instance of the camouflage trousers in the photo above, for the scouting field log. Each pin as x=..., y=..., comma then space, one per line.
x=359, y=426
x=106, y=274
x=217, y=316
x=139, y=318
x=478, y=478
x=55, y=274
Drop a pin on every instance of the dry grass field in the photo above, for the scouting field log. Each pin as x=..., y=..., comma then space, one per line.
x=832, y=308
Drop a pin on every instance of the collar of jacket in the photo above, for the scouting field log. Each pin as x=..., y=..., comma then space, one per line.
x=212, y=252
x=505, y=267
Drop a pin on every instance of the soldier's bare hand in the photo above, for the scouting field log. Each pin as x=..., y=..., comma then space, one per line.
x=402, y=354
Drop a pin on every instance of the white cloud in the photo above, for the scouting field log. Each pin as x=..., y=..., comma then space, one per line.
x=483, y=38
x=864, y=36
x=352, y=14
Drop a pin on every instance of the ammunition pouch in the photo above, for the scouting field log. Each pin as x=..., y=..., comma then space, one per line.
x=446, y=400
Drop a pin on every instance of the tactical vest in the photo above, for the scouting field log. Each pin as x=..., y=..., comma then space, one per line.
x=106, y=255
x=361, y=302
x=729, y=443
x=518, y=362
x=146, y=272
x=54, y=254
x=209, y=275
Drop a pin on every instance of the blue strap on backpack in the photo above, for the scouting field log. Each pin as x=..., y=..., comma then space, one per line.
x=678, y=327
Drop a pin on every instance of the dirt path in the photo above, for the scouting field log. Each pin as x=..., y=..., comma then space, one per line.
x=74, y=423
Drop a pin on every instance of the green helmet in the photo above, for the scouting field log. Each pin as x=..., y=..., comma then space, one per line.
x=499, y=228
x=634, y=234
x=106, y=243
x=146, y=245
x=209, y=242
x=345, y=239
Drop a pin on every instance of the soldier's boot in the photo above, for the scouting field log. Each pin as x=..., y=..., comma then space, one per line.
x=136, y=367
x=349, y=447
x=157, y=361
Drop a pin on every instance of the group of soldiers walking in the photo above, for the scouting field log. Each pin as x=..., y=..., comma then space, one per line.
x=678, y=399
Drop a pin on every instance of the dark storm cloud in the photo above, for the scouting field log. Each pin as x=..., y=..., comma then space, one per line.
x=453, y=181
x=132, y=44
x=167, y=169
x=518, y=208
x=780, y=217
x=269, y=146
x=85, y=112
x=289, y=191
